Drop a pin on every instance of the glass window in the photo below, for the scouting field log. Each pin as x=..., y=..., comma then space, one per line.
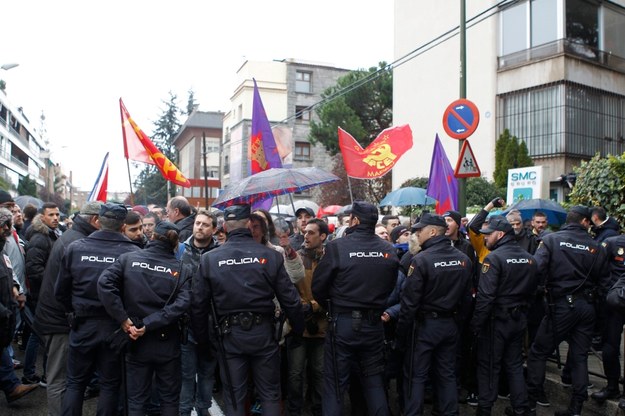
x=514, y=28
x=582, y=22
x=301, y=113
x=613, y=32
x=565, y=118
x=302, y=151
x=302, y=81
x=544, y=21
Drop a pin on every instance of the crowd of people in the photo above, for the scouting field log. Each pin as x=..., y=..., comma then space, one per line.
x=153, y=309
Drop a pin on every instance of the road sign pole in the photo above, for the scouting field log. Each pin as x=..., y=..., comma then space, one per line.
x=462, y=182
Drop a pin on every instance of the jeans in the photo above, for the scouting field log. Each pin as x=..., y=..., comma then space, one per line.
x=8, y=379
x=198, y=378
x=30, y=356
x=311, y=352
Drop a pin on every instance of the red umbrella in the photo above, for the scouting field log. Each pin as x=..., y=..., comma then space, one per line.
x=329, y=210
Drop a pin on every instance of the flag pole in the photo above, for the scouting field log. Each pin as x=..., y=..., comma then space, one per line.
x=349, y=185
x=132, y=197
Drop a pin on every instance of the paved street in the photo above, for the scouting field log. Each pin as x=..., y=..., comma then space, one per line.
x=35, y=403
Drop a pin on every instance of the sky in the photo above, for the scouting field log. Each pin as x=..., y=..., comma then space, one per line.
x=77, y=58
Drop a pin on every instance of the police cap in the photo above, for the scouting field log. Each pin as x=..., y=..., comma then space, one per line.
x=113, y=211
x=367, y=213
x=429, y=219
x=497, y=223
x=236, y=212
x=163, y=226
x=581, y=210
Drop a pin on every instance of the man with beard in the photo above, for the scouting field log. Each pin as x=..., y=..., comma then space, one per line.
x=308, y=348
x=50, y=318
x=9, y=383
x=198, y=370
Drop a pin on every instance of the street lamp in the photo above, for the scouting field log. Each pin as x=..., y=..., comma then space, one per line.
x=6, y=67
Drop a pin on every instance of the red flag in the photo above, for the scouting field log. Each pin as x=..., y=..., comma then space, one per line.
x=379, y=157
x=139, y=147
x=98, y=193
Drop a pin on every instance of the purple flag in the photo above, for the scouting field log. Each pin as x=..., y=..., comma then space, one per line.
x=442, y=184
x=263, y=150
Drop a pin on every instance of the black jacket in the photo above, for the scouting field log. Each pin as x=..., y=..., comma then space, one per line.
x=84, y=260
x=527, y=240
x=50, y=314
x=40, y=240
x=242, y=276
x=140, y=283
x=569, y=261
x=185, y=227
x=611, y=228
x=438, y=280
x=358, y=271
x=508, y=279
x=615, y=263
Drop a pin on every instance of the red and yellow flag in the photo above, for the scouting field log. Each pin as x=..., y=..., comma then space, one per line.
x=379, y=157
x=139, y=147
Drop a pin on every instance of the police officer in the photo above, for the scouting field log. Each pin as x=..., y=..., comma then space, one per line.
x=146, y=292
x=615, y=299
x=355, y=277
x=241, y=278
x=613, y=328
x=91, y=326
x=437, y=284
x=507, y=282
x=570, y=262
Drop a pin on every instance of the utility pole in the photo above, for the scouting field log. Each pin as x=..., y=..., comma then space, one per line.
x=462, y=182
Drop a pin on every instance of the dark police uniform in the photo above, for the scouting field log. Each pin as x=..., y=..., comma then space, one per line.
x=570, y=263
x=242, y=277
x=437, y=284
x=507, y=282
x=613, y=328
x=76, y=290
x=357, y=274
x=152, y=287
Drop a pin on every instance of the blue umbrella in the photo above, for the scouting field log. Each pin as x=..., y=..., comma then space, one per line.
x=407, y=196
x=556, y=215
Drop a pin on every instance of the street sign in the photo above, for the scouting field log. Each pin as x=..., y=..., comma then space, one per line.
x=460, y=119
x=466, y=166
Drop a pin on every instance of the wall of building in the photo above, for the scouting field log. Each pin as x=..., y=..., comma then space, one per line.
x=424, y=86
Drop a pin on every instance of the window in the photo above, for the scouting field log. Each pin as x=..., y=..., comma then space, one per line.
x=514, y=29
x=613, y=32
x=302, y=81
x=240, y=112
x=301, y=113
x=582, y=21
x=544, y=21
x=565, y=118
x=302, y=151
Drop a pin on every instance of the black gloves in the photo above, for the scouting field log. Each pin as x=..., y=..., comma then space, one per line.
x=497, y=202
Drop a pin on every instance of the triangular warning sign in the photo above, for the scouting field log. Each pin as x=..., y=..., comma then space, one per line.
x=466, y=166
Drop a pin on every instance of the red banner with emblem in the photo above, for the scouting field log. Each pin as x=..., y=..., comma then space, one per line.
x=139, y=147
x=379, y=157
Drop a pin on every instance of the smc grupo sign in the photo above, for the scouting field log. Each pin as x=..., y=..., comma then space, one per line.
x=527, y=183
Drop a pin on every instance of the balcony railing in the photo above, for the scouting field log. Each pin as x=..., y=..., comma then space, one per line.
x=567, y=47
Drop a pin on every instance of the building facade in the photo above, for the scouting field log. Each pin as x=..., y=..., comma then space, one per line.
x=22, y=149
x=198, y=144
x=287, y=88
x=552, y=72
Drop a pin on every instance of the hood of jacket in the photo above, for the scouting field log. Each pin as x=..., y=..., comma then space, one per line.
x=38, y=226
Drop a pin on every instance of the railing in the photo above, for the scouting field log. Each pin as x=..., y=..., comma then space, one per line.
x=567, y=47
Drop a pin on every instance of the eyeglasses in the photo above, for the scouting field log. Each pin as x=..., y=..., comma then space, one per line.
x=6, y=223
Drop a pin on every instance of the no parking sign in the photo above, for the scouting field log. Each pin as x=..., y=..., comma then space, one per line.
x=460, y=119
